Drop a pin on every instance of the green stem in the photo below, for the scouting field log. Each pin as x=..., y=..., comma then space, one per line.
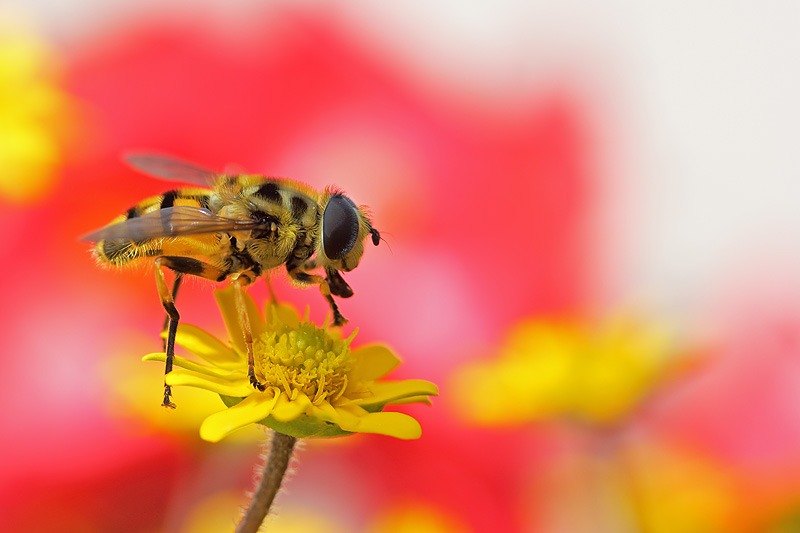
x=279, y=455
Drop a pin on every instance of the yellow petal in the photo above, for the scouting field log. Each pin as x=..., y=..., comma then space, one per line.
x=389, y=391
x=191, y=365
x=237, y=388
x=413, y=399
x=206, y=346
x=287, y=410
x=285, y=313
x=227, y=306
x=396, y=425
x=391, y=424
x=345, y=417
x=373, y=361
x=249, y=411
x=257, y=325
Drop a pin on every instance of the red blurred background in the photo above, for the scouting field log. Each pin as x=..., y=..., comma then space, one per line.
x=520, y=162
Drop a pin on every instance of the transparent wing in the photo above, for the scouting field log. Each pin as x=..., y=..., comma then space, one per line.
x=163, y=167
x=170, y=222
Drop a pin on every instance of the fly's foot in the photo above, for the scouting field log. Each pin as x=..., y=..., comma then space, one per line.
x=257, y=384
x=338, y=319
x=167, y=398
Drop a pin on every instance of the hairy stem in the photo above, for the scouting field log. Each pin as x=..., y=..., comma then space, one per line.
x=279, y=455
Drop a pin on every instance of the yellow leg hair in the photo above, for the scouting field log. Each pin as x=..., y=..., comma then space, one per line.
x=239, y=282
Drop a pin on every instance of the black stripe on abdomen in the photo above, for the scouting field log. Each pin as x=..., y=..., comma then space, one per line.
x=168, y=200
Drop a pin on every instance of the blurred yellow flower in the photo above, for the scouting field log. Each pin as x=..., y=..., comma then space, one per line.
x=33, y=114
x=416, y=518
x=213, y=515
x=316, y=385
x=134, y=391
x=681, y=491
x=550, y=369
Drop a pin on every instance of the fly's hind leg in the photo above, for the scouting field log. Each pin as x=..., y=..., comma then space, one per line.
x=181, y=266
x=175, y=286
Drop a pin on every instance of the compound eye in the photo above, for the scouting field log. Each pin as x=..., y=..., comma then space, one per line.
x=339, y=227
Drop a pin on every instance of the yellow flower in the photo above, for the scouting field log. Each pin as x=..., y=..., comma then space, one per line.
x=316, y=386
x=36, y=116
x=550, y=369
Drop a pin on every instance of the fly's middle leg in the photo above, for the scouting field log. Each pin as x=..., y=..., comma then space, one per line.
x=239, y=282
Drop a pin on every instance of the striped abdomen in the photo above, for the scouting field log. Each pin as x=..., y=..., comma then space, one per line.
x=123, y=251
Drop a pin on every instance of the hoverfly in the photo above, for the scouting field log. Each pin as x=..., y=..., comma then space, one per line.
x=236, y=227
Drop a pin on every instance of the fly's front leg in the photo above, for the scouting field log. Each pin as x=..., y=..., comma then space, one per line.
x=239, y=283
x=181, y=265
x=338, y=319
x=298, y=274
x=336, y=283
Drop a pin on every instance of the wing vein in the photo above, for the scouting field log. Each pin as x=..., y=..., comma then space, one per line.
x=171, y=222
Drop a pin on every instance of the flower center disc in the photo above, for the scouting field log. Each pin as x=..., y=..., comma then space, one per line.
x=304, y=360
